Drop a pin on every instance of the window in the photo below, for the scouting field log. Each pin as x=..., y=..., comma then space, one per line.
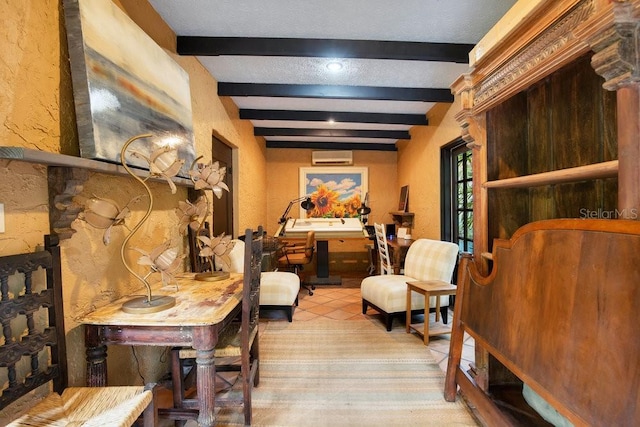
x=457, y=195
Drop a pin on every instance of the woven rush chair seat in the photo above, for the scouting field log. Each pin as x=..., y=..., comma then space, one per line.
x=426, y=260
x=229, y=343
x=31, y=288
x=89, y=406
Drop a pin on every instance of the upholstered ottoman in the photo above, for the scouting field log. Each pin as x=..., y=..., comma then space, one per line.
x=279, y=290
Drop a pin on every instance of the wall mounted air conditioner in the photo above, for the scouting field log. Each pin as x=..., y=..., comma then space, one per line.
x=325, y=158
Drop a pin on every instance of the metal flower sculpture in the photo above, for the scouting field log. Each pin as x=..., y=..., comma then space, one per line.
x=105, y=214
x=163, y=259
x=163, y=163
x=191, y=215
x=209, y=176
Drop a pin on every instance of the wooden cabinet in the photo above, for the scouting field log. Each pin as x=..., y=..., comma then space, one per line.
x=551, y=110
x=551, y=151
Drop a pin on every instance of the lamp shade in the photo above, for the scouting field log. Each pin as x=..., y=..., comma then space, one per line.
x=307, y=204
x=364, y=210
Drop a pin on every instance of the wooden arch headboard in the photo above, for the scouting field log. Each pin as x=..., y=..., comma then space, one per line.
x=561, y=310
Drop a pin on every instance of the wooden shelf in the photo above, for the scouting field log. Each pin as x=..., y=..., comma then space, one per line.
x=580, y=173
x=63, y=160
x=66, y=181
x=403, y=219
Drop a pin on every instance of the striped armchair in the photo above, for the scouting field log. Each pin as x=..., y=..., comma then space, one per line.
x=426, y=260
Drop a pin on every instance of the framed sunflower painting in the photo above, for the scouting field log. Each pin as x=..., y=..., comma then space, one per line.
x=336, y=192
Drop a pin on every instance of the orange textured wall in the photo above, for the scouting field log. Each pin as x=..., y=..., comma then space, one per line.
x=37, y=112
x=283, y=185
x=419, y=167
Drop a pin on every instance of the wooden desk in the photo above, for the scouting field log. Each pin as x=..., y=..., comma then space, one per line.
x=398, y=249
x=324, y=228
x=202, y=310
x=428, y=288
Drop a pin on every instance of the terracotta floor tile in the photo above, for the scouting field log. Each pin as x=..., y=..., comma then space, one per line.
x=320, y=309
x=336, y=303
x=339, y=315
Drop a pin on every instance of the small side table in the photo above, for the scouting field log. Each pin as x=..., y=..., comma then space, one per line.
x=428, y=288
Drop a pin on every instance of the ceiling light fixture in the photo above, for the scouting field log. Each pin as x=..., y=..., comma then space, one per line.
x=334, y=66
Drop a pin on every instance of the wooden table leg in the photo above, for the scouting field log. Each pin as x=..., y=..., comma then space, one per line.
x=204, y=342
x=408, y=321
x=396, y=261
x=425, y=337
x=96, y=357
x=206, y=370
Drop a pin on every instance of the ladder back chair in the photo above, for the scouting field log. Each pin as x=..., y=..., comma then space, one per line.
x=386, y=266
x=238, y=340
x=33, y=353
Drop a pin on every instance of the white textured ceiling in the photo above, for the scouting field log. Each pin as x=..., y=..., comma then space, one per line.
x=441, y=21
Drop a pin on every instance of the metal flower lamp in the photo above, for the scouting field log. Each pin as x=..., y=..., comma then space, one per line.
x=105, y=214
x=163, y=259
x=206, y=177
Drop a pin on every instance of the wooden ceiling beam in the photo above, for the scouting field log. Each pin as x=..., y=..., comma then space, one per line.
x=324, y=48
x=332, y=145
x=336, y=116
x=333, y=133
x=335, y=92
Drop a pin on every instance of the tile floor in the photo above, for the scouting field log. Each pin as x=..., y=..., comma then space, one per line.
x=344, y=303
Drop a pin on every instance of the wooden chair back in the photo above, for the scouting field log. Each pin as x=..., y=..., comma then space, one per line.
x=386, y=266
x=298, y=254
x=310, y=246
x=251, y=289
x=31, y=294
x=33, y=351
x=249, y=344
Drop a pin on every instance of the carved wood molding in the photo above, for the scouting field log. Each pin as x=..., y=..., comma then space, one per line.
x=617, y=56
x=539, y=51
x=64, y=184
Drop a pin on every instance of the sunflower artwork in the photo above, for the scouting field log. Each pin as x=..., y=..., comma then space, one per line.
x=336, y=192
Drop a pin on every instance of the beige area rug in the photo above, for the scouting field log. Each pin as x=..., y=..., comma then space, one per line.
x=347, y=373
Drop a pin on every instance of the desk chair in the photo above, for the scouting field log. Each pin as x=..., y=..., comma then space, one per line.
x=237, y=340
x=296, y=256
x=22, y=356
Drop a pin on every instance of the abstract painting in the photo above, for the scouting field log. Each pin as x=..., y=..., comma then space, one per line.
x=124, y=85
x=337, y=192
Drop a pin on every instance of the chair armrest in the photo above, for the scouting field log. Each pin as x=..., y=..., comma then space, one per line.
x=294, y=248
